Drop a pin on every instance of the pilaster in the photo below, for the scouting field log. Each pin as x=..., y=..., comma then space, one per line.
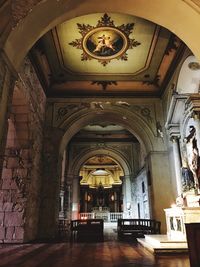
x=160, y=188
x=177, y=164
x=75, y=197
x=7, y=80
x=174, y=134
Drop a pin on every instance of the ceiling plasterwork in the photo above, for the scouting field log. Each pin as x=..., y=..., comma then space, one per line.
x=118, y=54
x=62, y=111
x=105, y=41
x=145, y=34
x=100, y=160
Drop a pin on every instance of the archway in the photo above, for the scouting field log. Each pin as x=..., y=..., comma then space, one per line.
x=119, y=158
x=101, y=188
x=113, y=186
x=131, y=121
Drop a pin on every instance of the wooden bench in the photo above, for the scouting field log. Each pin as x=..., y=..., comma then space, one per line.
x=87, y=230
x=137, y=227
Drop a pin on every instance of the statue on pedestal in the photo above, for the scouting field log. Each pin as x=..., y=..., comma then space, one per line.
x=187, y=176
x=192, y=161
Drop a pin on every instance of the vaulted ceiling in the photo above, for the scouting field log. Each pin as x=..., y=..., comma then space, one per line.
x=106, y=55
x=104, y=132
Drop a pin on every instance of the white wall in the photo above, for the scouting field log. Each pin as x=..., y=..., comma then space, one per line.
x=139, y=197
x=189, y=78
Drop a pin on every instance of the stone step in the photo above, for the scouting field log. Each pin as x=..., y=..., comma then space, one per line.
x=160, y=244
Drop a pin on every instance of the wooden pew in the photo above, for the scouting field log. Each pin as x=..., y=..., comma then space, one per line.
x=87, y=230
x=137, y=227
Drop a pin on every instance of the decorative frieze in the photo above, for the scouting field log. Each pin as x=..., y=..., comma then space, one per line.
x=68, y=109
x=62, y=111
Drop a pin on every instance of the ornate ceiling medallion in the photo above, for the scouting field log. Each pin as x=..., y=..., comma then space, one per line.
x=105, y=41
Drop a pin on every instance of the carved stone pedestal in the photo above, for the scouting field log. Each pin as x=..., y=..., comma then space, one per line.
x=176, y=218
x=175, y=240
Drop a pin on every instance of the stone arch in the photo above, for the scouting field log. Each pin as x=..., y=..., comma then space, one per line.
x=117, y=156
x=131, y=121
x=165, y=15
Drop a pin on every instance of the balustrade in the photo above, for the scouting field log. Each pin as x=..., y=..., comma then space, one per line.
x=106, y=216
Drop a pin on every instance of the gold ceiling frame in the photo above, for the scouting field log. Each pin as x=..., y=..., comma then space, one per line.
x=105, y=29
x=105, y=41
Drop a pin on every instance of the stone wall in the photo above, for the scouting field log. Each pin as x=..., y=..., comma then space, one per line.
x=49, y=206
x=21, y=176
x=37, y=102
x=140, y=196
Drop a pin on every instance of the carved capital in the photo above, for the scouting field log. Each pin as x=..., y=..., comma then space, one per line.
x=195, y=115
x=174, y=138
x=193, y=105
x=174, y=132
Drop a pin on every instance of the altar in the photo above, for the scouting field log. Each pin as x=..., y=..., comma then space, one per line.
x=101, y=213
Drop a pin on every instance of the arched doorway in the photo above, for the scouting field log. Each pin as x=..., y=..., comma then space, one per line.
x=100, y=188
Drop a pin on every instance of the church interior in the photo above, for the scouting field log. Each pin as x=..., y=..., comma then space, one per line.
x=99, y=122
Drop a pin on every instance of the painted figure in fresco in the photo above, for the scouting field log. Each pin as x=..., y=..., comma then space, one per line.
x=193, y=157
x=104, y=42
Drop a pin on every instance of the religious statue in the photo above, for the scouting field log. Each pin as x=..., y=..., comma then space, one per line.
x=187, y=176
x=193, y=158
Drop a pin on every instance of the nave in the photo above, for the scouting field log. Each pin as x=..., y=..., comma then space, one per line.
x=110, y=253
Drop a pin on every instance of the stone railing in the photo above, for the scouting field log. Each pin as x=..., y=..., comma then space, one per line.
x=114, y=216
x=86, y=215
x=106, y=216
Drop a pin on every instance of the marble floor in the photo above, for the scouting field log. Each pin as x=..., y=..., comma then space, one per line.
x=110, y=253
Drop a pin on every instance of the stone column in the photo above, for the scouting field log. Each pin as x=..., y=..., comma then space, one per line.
x=7, y=79
x=61, y=211
x=85, y=201
x=127, y=196
x=50, y=184
x=161, y=188
x=11, y=214
x=68, y=200
x=75, y=197
x=177, y=164
x=62, y=191
x=124, y=194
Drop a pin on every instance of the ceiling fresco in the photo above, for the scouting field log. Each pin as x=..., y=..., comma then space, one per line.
x=106, y=54
x=105, y=41
x=104, y=132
